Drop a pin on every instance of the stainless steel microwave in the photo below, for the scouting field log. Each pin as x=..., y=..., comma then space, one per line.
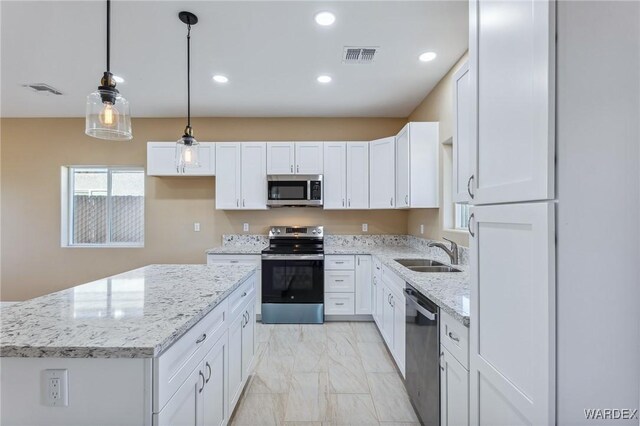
x=294, y=190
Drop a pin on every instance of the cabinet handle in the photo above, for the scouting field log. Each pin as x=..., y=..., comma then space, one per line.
x=202, y=338
x=349, y=202
x=298, y=168
x=208, y=369
x=237, y=202
x=453, y=337
x=440, y=360
x=177, y=169
x=391, y=202
x=339, y=262
x=203, y=382
x=469, y=187
x=234, y=261
x=183, y=169
x=406, y=199
x=343, y=202
x=375, y=282
x=393, y=301
x=340, y=304
x=469, y=225
x=244, y=294
x=358, y=261
x=339, y=281
x=243, y=202
x=292, y=168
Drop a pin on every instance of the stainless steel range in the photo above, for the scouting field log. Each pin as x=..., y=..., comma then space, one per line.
x=293, y=276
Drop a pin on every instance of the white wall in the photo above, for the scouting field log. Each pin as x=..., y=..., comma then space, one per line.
x=598, y=183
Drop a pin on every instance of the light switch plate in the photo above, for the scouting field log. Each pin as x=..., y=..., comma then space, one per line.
x=245, y=227
x=196, y=226
x=421, y=229
x=55, y=387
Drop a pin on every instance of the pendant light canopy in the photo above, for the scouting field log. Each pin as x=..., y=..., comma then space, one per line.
x=107, y=114
x=187, y=148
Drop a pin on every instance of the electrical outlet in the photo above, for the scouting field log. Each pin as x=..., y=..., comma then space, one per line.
x=421, y=229
x=365, y=227
x=196, y=226
x=245, y=227
x=56, y=388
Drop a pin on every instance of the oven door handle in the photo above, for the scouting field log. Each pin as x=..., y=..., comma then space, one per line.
x=414, y=301
x=293, y=257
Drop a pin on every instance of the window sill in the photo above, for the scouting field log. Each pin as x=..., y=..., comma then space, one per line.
x=103, y=246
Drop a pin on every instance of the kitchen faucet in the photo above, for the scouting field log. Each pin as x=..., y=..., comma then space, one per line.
x=452, y=252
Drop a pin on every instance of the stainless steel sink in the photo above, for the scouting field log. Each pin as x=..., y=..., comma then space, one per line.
x=433, y=269
x=409, y=263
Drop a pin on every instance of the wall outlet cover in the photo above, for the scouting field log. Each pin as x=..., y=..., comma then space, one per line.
x=421, y=229
x=55, y=388
x=245, y=227
x=365, y=227
x=196, y=227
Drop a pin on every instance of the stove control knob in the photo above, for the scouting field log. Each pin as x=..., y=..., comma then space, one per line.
x=315, y=231
x=278, y=231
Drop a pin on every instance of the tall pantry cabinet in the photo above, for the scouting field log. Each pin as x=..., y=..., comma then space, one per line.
x=512, y=224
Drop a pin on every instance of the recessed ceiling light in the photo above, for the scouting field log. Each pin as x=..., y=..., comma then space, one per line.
x=220, y=79
x=427, y=56
x=118, y=79
x=325, y=18
x=324, y=79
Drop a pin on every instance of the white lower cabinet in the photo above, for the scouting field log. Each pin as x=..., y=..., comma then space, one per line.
x=348, y=285
x=238, y=259
x=392, y=320
x=377, y=290
x=454, y=391
x=223, y=353
x=363, y=290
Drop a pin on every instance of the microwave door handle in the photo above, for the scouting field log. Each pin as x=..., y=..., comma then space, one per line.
x=308, y=190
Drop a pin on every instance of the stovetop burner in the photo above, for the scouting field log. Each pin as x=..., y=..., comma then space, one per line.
x=295, y=240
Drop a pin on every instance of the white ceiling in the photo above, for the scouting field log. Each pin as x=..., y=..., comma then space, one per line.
x=272, y=52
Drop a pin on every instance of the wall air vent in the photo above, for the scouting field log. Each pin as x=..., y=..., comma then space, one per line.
x=42, y=88
x=359, y=55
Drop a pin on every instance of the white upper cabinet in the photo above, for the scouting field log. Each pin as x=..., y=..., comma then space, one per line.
x=512, y=69
x=242, y=179
x=417, y=165
x=281, y=158
x=228, y=179
x=358, y=175
x=462, y=99
x=309, y=158
x=335, y=175
x=512, y=335
x=161, y=160
x=382, y=166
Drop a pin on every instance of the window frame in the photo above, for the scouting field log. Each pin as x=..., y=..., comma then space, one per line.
x=67, y=203
x=458, y=224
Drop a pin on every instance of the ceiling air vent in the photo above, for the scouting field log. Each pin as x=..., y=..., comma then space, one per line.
x=42, y=88
x=359, y=55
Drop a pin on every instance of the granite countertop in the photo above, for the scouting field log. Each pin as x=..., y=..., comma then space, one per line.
x=137, y=314
x=449, y=290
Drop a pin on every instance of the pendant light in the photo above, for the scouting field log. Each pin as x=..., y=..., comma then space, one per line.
x=187, y=148
x=107, y=114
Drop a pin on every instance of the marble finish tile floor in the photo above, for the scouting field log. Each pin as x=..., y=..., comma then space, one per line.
x=338, y=373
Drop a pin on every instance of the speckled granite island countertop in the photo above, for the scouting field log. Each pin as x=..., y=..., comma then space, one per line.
x=136, y=314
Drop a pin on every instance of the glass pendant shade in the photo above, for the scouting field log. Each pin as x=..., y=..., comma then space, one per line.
x=187, y=153
x=108, y=120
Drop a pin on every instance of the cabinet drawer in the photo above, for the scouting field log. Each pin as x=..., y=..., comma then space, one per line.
x=250, y=259
x=239, y=298
x=455, y=337
x=339, y=262
x=339, y=281
x=175, y=365
x=339, y=304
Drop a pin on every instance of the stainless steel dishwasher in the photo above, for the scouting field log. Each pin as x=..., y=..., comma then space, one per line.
x=423, y=356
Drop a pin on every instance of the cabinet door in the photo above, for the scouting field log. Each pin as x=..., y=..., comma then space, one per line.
x=382, y=178
x=228, y=176
x=214, y=395
x=309, y=158
x=254, y=176
x=235, y=360
x=512, y=73
x=358, y=175
x=185, y=406
x=248, y=340
x=387, y=317
x=161, y=159
x=363, y=289
x=462, y=98
x=280, y=158
x=335, y=175
x=512, y=334
x=399, y=325
x=402, y=168
x=379, y=298
x=454, y=391
x=207, y=161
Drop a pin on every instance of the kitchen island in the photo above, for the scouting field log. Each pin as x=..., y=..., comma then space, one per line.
x=163, y=344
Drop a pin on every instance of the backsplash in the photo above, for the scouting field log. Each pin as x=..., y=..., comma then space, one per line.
x=261, y=241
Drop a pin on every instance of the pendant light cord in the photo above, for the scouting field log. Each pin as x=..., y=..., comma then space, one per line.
x=189, y=76
x=108, y=35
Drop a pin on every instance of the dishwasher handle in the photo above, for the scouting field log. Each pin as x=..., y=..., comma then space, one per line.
x=414, y=301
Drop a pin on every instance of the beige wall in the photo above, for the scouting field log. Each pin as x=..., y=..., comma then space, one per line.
x=33, y=150
x=438, y=106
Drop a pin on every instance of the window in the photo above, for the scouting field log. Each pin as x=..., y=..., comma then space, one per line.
x=461, y=216
x=103, y=206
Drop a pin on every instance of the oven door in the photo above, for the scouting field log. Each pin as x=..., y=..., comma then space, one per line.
x=292, y=279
